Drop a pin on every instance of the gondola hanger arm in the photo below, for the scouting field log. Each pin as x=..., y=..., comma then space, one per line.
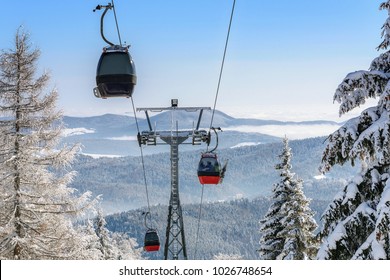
x=106, y=8
x=146, y=214
x=216, y=138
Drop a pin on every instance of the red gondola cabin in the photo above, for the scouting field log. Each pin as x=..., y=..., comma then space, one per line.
x=152, y=241
x=209, y=169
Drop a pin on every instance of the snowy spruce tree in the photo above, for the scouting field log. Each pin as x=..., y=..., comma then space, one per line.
x=356, y=225
x=114, y=246
x=287, y=229
x=90, y=242
x=37, y=208
x=128, y=248
x=106, y=244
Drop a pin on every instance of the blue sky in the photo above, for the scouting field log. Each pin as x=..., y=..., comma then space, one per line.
x=284, y=60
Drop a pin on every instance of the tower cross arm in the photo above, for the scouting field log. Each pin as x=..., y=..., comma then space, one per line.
x=160, y=109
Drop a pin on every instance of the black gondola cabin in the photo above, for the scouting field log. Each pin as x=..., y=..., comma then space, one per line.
x=115, y=74
x=209, y=169
x=152, y=241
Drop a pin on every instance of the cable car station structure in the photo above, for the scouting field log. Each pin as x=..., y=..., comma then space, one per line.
x=175, y=244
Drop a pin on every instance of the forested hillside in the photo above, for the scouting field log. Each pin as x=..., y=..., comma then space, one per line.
x=230, y=212
x=250, y=174
x=230, y=227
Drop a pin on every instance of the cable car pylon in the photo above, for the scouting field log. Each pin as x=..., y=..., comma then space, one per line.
x=175, y=243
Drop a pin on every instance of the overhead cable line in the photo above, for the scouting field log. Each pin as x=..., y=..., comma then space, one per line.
x=222, y=64
x=142, y=159
x=198, y=227
x=116, y=22
x=136, y=121
x=212, y=119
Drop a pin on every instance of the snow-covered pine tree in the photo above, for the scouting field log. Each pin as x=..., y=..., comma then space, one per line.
x=271, y=244
x=287, y=229
x=37, y=207
x=107, y=248
x=127, y=247
x=91, y=242
x=356, y=225
x=115, y=246
x=298, y=226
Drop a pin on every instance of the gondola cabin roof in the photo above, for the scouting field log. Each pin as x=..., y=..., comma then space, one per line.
x=115, y=73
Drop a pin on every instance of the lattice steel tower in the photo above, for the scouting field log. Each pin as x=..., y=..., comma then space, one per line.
x=175, y=245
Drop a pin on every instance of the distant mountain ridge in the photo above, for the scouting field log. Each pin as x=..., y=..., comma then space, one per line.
x=112, y=134
x=163, y=120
